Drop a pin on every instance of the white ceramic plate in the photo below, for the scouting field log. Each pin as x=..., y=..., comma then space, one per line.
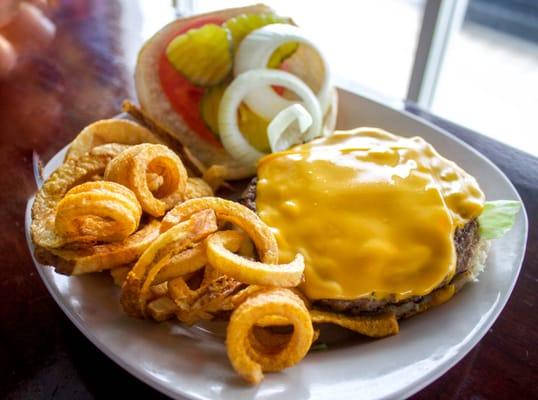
x=192, y=363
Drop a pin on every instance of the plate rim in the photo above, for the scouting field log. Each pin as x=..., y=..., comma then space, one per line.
x=404, y=392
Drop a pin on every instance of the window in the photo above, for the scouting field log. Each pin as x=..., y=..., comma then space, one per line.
x=489, y=81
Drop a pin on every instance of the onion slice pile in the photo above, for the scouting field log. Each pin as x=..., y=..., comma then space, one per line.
x=249, y=81
x=255, y=51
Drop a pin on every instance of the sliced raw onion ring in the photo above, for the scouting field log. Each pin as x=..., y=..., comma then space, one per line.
x=255, y=51
x=250, y=81
x=282, y=134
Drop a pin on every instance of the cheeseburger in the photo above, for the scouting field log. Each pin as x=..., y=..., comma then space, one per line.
x=385, y=223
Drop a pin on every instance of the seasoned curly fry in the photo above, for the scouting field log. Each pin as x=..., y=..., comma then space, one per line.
x=233, y=212
x=136, y=289
x=71, y=173
x=120, y=131
x=267, y=340
x=159, y=290
x=97, y=211
x=373, y=326
x=155, y=181
x=204, y=302
x=234, y=301
x=92, y=215
x=195, y=166
x=131, y=169
x=183, y=263
x=162, y=309
x=179, y=291
x=250, y=359
x=192, y=259
x=248, y=271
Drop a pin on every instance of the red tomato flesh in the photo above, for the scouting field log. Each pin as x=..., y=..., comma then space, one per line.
x=185, y=97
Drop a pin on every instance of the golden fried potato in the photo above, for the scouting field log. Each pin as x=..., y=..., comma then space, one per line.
x=100, y=257
x=71, y=173
x=248, y=271
x=119, y=274
x=131, y=169
x=106, y=131
x=250, y=355
x=373, y=326
x=230, y=211
x=97, y=211
x=197, y=187
x=136, y=289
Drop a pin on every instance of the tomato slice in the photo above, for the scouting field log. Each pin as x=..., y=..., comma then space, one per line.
x=183, y=95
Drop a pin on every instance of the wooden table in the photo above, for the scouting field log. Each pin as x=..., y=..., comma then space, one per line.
x=82, y=78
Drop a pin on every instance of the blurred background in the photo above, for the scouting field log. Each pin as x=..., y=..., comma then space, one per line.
x=474, y=62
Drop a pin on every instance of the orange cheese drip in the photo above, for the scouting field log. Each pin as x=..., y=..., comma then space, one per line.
x=374, y=214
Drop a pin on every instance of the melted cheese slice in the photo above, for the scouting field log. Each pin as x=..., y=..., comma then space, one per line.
x=374, y=214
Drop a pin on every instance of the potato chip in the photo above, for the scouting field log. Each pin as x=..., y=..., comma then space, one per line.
x=246, y=250
x=100, y=257
x=180, y=292
x=267, y=341
x=234, y=301
x=106, y=131
x=154, y=180
x=371, y=325
x=183, y=263
x=215, y=176
x=272, y=320
x=206, y=301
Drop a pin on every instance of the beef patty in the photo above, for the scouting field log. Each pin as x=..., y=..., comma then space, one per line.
x=466, y=240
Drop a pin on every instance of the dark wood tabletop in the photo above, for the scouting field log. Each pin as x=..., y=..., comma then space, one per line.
x=83, y=76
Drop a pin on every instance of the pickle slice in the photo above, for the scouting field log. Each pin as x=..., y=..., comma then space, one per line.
x=243, y=24
x=252, y=126
x=202, y=55
x=209, y=107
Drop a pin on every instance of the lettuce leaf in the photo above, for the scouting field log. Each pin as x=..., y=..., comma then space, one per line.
x=497, y=218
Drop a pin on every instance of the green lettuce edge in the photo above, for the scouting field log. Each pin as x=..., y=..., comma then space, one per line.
x=497, y=218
